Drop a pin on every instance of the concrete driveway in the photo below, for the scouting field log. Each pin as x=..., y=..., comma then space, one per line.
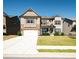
x=25, y=44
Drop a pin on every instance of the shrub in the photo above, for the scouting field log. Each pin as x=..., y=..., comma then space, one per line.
x=45, y=34
x=19, y=33
x=72, y=37
x=56, y=33
x=62, y=34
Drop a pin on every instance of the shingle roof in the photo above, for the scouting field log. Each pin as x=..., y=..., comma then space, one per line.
x=47, y=17
x=74, y=20
x=4, y=14
x=68, y=20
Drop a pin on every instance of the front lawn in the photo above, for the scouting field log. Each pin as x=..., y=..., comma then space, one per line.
x=56, y=50
x=56, y=40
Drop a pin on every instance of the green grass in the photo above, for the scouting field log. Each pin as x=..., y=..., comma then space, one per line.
x=56, y=40
x=56, y=50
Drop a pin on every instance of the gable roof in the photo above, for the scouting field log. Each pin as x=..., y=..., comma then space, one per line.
x=29, y=10
x=5, y=14
x=68, y=20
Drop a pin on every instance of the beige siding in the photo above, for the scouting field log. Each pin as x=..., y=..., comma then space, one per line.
x=26, y=16
x=58, y=19
x=30, y=14
x=35, y=25
x=4, y=23
x=4, y=20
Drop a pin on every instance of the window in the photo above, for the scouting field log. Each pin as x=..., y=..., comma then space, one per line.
x=57, y=30
x=30, y=20
x=44, y=21
x=44, y=29
x=4, y=27
x=57, y=22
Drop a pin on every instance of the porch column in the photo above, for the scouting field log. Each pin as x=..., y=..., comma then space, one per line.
x=53, y=30
x=48, y=30
x=41, y=31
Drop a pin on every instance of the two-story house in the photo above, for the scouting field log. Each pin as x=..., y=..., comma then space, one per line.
x=50, y=24
x=30, y=20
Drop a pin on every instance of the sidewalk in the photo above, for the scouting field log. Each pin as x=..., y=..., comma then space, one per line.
x=55, y=47
x=57, y=55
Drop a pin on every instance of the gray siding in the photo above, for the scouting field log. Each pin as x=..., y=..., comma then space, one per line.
x=67, y=27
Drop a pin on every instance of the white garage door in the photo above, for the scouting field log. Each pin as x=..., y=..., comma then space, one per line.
x=30, y=33
x=31, y=36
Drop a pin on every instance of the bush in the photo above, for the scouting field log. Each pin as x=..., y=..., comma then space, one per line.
x=56, y=33
x=72, y=37
x=45, y=34
x=19, y=33
x=62, y=34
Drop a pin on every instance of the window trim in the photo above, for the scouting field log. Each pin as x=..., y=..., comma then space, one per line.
x=30, y=20
x=57, y=22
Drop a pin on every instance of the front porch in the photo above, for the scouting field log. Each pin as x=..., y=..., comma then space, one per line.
x=48, y=30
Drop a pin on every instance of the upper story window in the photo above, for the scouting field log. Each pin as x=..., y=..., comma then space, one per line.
x=44, y=21
x=57, y=22
x=30, y=20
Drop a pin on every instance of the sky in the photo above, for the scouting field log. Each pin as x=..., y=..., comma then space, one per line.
x=64, y=8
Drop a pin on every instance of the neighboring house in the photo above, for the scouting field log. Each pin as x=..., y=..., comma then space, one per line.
x=74, y=24
x=5, y=17
x=73, y=30
x=11, y=25
x=30, y=20
x=45, y=24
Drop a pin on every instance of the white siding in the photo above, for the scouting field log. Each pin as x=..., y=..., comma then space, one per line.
x=58, y=26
